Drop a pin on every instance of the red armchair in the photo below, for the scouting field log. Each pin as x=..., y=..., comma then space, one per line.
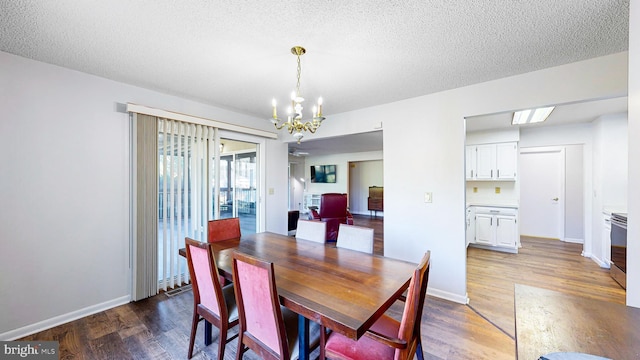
x=333, y=211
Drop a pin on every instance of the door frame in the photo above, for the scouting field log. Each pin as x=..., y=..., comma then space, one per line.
x=260, y=143
x=563, y=179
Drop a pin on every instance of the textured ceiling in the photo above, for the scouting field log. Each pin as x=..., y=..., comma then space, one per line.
x=235, y=54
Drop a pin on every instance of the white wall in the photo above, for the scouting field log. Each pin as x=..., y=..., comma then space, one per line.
x=297, y=183
x=64, y=229
x=277, y=189
x=362, y=175
x=342, y=170
x=613, y=132
x=574, y=194
x=432, y=128
x=633, y=234
x=609, y=175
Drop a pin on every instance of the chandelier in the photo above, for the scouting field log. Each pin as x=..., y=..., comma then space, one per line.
x=295, y=124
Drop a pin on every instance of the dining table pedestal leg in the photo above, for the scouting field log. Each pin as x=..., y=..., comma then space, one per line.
x=303, y=338
x=207, y=333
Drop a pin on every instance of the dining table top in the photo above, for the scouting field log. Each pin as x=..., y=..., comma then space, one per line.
x=345, y=290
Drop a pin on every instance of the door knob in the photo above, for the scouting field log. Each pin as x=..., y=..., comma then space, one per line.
x=555, y=199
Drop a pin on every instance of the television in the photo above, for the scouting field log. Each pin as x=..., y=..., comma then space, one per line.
x=323, y=173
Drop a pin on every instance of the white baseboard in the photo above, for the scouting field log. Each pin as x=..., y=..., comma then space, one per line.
x=572, y=240
x=600, y=262
x=63, y=319
x=448, y=296
x=494, y=248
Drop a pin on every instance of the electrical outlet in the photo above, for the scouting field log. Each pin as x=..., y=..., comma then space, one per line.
x=475, y=189
x=271, y=191
x=428, y=197
x=497, y=190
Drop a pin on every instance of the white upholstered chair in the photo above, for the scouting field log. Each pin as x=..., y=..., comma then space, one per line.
x=311, y=230
x=355, y=238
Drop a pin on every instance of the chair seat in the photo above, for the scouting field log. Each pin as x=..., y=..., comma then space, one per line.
x=230, y=300
x=341, y=347
x=291, y=324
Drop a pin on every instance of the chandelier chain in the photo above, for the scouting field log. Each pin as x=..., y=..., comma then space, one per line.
x=298, y=82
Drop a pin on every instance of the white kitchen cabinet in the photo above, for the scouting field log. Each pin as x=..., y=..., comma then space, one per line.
x=485, y=161
x=506, y=161
x=496, y=227
x=506, y=231
x=470, y=162
x=606, y=239
x=485, y=231
x=492, y=161
x=471, y=225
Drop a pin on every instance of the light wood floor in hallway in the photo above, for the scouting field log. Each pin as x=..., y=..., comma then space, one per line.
x=158, y=328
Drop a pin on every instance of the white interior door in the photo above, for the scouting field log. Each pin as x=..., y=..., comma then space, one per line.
x=542, y=192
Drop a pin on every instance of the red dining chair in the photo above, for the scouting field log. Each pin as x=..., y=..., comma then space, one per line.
x=223, y=229
x=266, y=327
x=388, y=338
x=211, y=301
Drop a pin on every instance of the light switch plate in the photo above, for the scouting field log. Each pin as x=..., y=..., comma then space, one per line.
x=271, y=191
x=428, y=197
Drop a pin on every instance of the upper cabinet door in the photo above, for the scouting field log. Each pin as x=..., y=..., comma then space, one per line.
x=506, y=161
x=470, y=162
x=485, y=161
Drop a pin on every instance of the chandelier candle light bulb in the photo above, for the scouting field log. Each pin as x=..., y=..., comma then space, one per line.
x=295, y=124
x=275, y=113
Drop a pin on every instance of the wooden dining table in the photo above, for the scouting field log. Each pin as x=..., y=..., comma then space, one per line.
x=344, y=290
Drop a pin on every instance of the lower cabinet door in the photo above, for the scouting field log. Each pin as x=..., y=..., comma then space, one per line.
x=485, y=233
x=506, y=231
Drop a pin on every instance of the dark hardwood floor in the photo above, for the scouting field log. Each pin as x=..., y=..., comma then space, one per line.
x=158, y=328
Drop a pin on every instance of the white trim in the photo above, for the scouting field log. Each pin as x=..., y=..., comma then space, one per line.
x=598, y=261
x=448, y=296
x=141, y=109
x=573, y=240
x=63, y=319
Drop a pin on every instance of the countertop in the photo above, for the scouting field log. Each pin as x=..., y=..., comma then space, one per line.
x=608, y=209
x=512, y=205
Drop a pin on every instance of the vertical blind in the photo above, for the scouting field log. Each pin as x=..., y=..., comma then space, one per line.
x=175, y=185
x=184, y=193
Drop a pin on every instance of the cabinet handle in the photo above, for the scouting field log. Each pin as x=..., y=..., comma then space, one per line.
x=491, y=172
x=491, y=222
x=471, y=173
x=498, y=173
x=497, y=222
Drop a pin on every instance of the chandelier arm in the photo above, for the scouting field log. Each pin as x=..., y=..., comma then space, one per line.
x=279, y=127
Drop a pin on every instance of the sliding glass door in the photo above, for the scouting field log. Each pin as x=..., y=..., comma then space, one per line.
x=238, y=183
x=190, y=193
